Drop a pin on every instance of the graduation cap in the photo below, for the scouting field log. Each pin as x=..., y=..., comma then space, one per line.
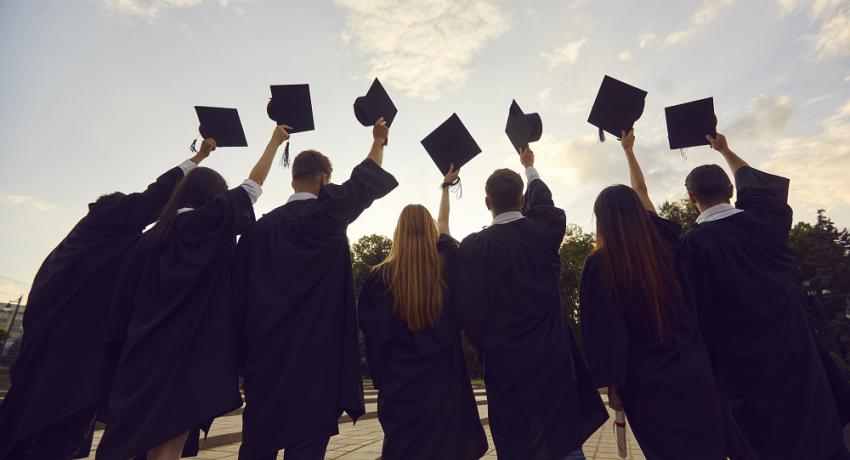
x=290, y=105
x=617, y=107
x=522, y=128
x=221, y=124
x=374, y=105
x=450, y=144
x=688, y=123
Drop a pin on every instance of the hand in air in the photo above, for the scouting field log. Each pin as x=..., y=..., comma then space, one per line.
x=526, y=157
x=207, y=146
x=452, y=175
x=380, y=130
x=627, y=140
x=718, y=143
x=280, y=134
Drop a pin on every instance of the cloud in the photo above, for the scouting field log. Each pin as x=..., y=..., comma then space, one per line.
x=767, y=117
x=7, y=199
x=152, y=9
x=832, y=19
x=566, y=54
x=705, y=15
x=646, y=38
x=421, y=48
x=624, y=56
x=817, y=165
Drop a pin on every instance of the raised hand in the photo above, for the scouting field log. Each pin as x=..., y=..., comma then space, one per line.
x=526, y=157
x=627, y=140
x=718, y=143
x=380, y=131
x=452, y=175
x=280, y=135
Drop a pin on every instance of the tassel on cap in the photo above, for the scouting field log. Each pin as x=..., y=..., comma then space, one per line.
x=457, y=188
x=286, y=155
x=601, y=135
x=192, y=147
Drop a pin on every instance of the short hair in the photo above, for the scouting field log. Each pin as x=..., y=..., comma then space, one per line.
x=708, y=184
x=504, y=188
x=310, y=163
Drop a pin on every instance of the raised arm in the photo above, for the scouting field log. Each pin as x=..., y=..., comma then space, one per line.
x=719, y=143
x=627, y=141
x=443, y=219
x=264, y=164
x=380, y=132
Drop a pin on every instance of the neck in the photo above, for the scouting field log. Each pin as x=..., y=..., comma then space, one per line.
x=314, y=189
x=704, y=207
x=496, y=213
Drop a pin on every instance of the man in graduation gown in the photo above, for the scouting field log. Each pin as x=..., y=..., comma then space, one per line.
x=302, y=362
x=740, y=265
x=60, y=379
x=541, y=403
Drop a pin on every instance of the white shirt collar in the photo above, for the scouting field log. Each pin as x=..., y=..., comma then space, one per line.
x=298, y=196
x=182, y=210
x=717, y=212
x=507, y=217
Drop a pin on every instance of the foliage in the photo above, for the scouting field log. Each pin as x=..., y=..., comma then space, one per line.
x=574, y=250
x=368, y=251
x=683, y=212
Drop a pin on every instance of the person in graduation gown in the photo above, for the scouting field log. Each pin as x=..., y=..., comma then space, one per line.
x=740, y=266
x=541, y=403
x=413, y=343
x=640, y=331
x=59, y=380
x=179, y=362
x=295, y=288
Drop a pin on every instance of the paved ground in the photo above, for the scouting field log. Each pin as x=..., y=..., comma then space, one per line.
x=363, y=442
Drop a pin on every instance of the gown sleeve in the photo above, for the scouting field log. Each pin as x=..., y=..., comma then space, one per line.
x=343, y=203
x=692, y=259
x=604, y=330
x=765, y=194
x=377, y=323
x=229, y=210
x=539, y=206
x=469, y=289
x=668, y=229
x=135, y=211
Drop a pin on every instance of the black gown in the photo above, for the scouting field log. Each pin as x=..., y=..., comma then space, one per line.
x=63, y=367
x=425, y=401
x=668, y=391
x=179, y=363
x=302, y=358
x=758, y=339
x=541, y=402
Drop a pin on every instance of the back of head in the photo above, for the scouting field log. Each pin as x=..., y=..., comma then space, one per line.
x=504, y=191
x=199, y=186
x=414, y=269
x=310, y=165
x=637, y=264
x=709, y=184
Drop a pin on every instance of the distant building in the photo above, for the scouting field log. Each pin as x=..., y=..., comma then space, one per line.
x=13, y=330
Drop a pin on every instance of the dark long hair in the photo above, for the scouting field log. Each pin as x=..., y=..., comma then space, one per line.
x=636, y=262
x=198, y=187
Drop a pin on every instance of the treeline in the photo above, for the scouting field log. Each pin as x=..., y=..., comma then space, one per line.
x=822, y=274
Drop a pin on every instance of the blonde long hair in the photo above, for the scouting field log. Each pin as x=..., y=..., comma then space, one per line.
x=414, y=269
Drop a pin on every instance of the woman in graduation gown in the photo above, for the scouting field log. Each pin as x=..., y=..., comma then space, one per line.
x=179, y=366
x=413, y=344
x=641, y=337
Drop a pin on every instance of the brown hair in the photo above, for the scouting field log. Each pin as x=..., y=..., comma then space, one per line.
x=709, y=184
x=310, y=163
x=637, y=264
x=414, y=269
x=197, y=187
x=504, y=188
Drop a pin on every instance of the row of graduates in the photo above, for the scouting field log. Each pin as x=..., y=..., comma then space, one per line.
x=697, y=337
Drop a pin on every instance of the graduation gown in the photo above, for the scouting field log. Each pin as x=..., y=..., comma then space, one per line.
x=425, y=401
x=668, y=391
x=765, y=360
x=541, y=402
x=63, y=367
x=179, y=363
x=302, y=358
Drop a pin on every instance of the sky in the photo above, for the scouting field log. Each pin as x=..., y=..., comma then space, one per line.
x=98, y=96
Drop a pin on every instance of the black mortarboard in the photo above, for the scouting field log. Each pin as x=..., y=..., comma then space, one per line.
x=450, y=144
x=522, y=128
x=221, y=124
x=374, y=105
x=617, y=107
x=688, y=123
x=290, y=105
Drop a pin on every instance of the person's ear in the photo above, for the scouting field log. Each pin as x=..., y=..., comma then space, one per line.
x=692, y=199
x=522, y=202
x=487, y=203
x=731, y=191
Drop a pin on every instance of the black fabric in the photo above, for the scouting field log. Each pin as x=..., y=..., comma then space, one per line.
x=425, y=401
x=63, y=367
x=540, y=403
x=291, y=105
x=221, y=124
x=374, y=105
x=179, y=364
x=668, y=391
x=765, y=361
x=302, y=361
x=689, y=123
x=61, y=441
x=450, y=144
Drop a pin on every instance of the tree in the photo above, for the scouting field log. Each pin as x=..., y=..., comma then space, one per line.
x=683, y=212
x=368, y=251
x=574, y=250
